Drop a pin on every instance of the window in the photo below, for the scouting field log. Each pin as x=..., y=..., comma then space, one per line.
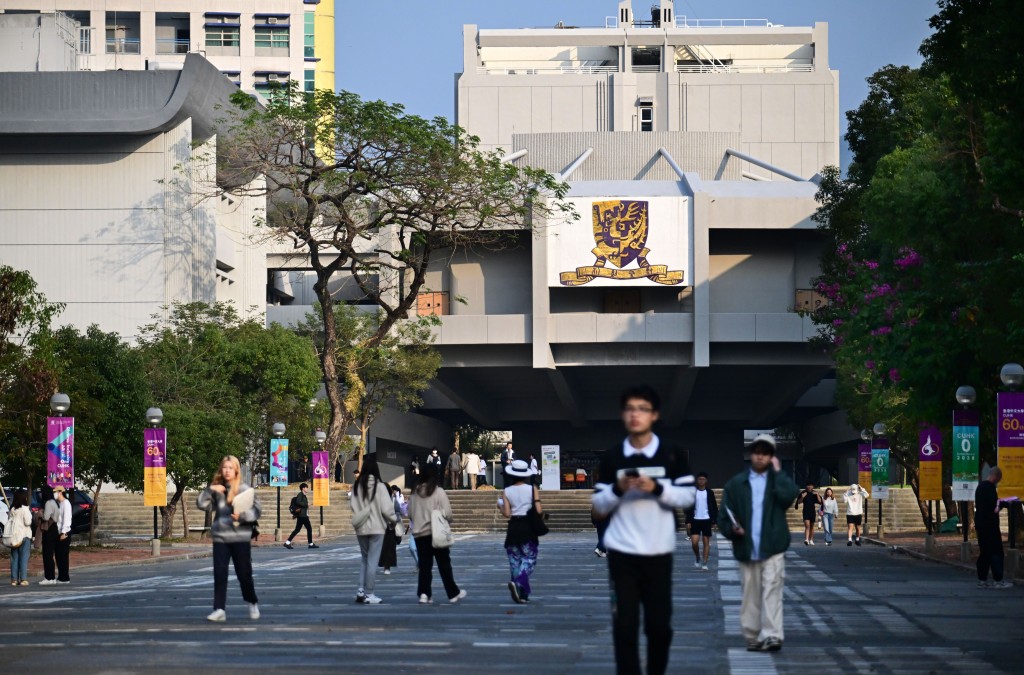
x=85, y=40
x=271, y=38
x=309, y=80
x=308, y=42
x=222, y=36
x=271, y=91
x=647, y=117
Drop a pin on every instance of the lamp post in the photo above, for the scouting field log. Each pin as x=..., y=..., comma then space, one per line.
x=321, y=438
x=154, y=464
x=278, y=459
x=60, y=444
x=879, y=470
x=1010, y=435
x=864, y=469
x=966, y=438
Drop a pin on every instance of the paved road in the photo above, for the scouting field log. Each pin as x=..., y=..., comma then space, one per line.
x=848, y=609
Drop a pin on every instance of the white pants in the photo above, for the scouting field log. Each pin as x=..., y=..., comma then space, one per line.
x=761, y=610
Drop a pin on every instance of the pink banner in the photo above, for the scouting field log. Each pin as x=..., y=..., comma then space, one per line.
x=60, y=452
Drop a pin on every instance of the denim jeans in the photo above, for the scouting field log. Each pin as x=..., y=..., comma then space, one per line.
x=19, y=560
x=826, y=519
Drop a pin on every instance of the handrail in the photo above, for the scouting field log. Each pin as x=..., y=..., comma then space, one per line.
x=172, y=46
x=124, y=46
x=546, y=70
x=765, y=165
x=683, y=22
x=745, y=68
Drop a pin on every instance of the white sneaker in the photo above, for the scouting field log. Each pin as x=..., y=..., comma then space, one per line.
x=704, y=567
x=48, y=582
x=1001, y=584
x=424, y=600
x=811, y=542
x=218, y=615
x=387, y=571
x=458, y=597
x=696, y=564
x=372, y=599
x=254, y=611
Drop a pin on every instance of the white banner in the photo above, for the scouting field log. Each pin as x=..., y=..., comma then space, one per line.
x=550, y=471
x=634, y=241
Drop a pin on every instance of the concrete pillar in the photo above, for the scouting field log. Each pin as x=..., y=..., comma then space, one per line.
x=156, y=548
x=965, y=552
x=929, y=544
x=1011, y=564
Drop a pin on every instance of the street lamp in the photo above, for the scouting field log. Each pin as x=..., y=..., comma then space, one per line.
x=1012, y=375
x=59, y=403
x=154, y=462
x=879, y=429
x=881, y=490
x=321, y=438
x=966, y=396
x=279, y=459
x=60, y=444
x=966, y=441
x=865, y=435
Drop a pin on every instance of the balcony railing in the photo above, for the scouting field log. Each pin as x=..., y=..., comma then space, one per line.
x=172, y=46
x=683, y=22
x=646, y=69
x=124, y=46
x=546, y=70
x=745, y=68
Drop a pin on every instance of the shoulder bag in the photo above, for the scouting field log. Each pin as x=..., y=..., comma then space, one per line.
x=536, y=520
x=440, y=530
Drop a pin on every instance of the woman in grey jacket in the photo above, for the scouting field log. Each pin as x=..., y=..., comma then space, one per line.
x=232, y=536
x=372, y=511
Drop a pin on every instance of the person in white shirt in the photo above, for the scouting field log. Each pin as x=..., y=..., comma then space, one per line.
x=699, y=520
x=48, y=523
x=472, y=466
x=854, y=498
x=63, y=550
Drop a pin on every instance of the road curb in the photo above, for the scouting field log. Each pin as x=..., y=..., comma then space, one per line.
x=924, y=556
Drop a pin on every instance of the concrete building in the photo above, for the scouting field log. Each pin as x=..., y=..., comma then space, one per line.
x=254, y=44
x=39, y=42
x=102, y=194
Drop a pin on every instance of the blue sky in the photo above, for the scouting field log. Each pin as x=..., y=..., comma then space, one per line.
x=408, y=51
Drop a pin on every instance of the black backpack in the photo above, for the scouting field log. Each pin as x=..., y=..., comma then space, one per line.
x=293, y=507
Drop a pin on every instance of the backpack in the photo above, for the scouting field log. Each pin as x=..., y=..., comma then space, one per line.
x=293, y=507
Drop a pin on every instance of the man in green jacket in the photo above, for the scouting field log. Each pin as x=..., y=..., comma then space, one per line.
x=755, y=505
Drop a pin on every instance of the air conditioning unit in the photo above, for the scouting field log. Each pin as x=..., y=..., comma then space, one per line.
x=271, y=19
x=272, y=77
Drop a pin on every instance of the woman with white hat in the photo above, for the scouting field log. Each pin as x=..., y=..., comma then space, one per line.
x=520, y=538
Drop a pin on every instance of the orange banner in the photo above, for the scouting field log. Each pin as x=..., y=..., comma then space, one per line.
x=321, y=478
x=155, y=486
x=931, y=481
x=864, y=480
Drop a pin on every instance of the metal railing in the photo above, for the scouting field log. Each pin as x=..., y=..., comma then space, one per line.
x=124, y=46
x=683, y=22
x=172, y=46
x=745, y=68
x=646, y=69
x=546, y=70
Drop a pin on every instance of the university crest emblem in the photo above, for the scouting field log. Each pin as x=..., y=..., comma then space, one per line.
x=620, y=232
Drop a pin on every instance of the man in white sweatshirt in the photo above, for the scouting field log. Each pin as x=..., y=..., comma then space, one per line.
x=855, y=498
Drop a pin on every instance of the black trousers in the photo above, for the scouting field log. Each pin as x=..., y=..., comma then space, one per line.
x=990, y=547
x=302, y=522
x=641, y=580
x=62, y=552
x=428, y=554
x=50, y=552
x=240, y=555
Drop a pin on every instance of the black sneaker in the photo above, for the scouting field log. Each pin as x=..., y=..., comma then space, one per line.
x=310, y=546
x=849, y=542
x=360, y=599
x=288, y=545
x=755, y=646
x=858, y=541
x=771, y=644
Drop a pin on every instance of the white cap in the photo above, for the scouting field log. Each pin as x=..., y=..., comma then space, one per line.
x=768, y=439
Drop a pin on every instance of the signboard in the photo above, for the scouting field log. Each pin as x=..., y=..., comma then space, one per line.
x=321, y=478
x=617, y=242
x=1010, y=435
x=930, y=462
x=965, y=454
x=880, y=468
x=279, y=462
x=60, y=452
x=154, y=467
x=551, y=467
x=864, y=466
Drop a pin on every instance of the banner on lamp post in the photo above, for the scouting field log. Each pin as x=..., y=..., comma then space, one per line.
x=154, y=467
x=321, y=478
x=966, y=436
x=864, y=466
x=1010, y=435
x=880, y=468
x=60, y=452
x=930, y=463
x=279, y=462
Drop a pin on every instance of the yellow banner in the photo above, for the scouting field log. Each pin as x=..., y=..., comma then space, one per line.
x=321, y=492
x=864, y=480
x=931, y=481
x=1011, y=461
x=155, y=485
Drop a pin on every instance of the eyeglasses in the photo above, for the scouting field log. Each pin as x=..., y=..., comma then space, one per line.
x=641, y=409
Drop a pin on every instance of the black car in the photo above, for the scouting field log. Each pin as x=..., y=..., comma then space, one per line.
x=81, y=507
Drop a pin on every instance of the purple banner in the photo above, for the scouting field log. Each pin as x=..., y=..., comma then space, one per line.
x=156, y=449
x=863, y=458
x=1010, y=424
x=966, y=418
x=60, y=452
x=930, y=443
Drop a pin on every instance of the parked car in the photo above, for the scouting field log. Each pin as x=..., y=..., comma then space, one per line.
x=81, y=507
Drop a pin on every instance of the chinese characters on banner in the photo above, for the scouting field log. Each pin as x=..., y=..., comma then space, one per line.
x=965, y=454
x=1010, y=434
x=880, y=468
x=864, y=466
x=279, y=462
x=154, y=467
x=321, y=478
x=60, y=452
x=930, y=463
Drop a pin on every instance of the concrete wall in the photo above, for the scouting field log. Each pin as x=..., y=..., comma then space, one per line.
x=34, y=42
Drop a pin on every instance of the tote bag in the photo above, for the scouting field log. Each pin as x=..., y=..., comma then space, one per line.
x=440, y=530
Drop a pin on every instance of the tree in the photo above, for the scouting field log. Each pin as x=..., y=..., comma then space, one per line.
x=393, y=190
x=104, y=377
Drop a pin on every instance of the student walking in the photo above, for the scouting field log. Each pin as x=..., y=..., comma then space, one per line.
x=299, y=508
x=48, y=524
x=372, y=512
x=811, y=502
x=699, y=519
x=640, y=483
x=756, y=502
x=429, y=496
x=231, y=533
x=454, y=470
x=19, y=524
x=471, y=463
x=855, y=498
x=829, y=511
x=62, y=551
x=990, y=539
x=521, y=539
